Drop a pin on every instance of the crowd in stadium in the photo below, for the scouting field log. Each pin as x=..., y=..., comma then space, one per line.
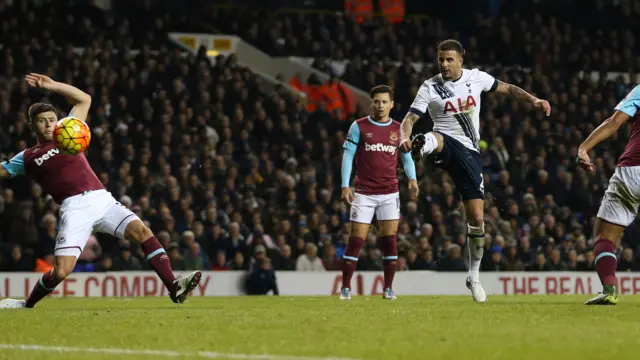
x=227, y=173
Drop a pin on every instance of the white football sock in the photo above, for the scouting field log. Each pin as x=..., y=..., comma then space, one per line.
x=476, y=250
x=430, y=144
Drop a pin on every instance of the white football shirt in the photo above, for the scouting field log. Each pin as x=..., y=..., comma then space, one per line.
x=454, y=105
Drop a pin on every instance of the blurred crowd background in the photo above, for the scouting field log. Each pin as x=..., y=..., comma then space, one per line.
x=229, y=172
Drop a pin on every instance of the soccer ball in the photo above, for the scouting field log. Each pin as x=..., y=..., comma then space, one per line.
x=72, y=135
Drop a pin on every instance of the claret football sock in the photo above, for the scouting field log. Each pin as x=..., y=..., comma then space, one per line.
x=43, y=287
x=159, y=261
x=389, y=259
x=351, y=260
x=606, y=263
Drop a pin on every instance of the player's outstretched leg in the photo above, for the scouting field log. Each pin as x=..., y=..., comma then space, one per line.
x=180, y=287
x=606, y=262
x=62, y=267
x=349, y=265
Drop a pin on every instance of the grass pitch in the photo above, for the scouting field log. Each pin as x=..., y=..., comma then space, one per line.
x=319, y=328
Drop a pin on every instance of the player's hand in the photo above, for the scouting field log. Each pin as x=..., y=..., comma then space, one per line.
x=414, y=190
x=40, y=81
x=347, y=195
x=544, y=105
x=406, y=146
x=585, y=161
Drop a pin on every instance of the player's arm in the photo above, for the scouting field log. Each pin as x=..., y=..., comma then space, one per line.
x=410, y=169
x=350, y=147
x=625, y=110
x=80, y=100
x=519, y=94
x=13, y=167
x=605, y=130
x=416, y=111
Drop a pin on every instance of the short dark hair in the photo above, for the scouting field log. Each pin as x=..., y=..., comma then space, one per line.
x=382, y=89
x=39, y=108
x=451, y=45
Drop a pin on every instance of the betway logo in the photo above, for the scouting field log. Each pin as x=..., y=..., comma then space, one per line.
x=51, y=153
x=380, y=147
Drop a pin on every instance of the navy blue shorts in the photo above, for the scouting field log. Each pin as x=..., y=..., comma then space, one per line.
x=464, y=167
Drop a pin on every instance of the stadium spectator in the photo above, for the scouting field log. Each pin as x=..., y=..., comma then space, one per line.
x=309, y=261
x=262, y=279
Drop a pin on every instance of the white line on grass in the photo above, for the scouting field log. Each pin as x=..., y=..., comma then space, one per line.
x=167, y=353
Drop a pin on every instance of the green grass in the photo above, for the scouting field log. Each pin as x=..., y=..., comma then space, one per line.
x=527, y=327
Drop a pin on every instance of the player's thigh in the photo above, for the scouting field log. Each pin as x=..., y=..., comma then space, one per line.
x=75, y=227
x=465, y=169
x=115, y=217
x=362, y=210
x=388, y=213
x=619, y=206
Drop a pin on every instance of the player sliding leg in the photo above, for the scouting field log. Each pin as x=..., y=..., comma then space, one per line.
x=85, y=206
x=619, y=205
x=376, y=186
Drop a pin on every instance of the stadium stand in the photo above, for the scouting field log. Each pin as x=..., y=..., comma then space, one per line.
x=227, y=173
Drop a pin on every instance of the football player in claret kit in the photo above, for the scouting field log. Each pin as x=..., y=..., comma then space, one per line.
x=620, y=203
x=373, y=141
x=452, y=99
x=85, y=206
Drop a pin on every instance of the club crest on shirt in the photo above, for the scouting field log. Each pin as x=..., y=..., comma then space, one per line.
x=369, y=135
x=393, y=136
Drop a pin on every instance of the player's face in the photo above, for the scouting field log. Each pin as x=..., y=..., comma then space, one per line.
x=44, y=124
x=381, y=105
x=450, y=64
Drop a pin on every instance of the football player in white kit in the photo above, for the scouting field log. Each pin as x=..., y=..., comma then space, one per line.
x=452, y=99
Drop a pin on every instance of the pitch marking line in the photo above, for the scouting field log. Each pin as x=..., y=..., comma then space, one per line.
x=167, y=353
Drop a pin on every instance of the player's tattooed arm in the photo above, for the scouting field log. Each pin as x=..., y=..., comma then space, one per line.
x=80, y=100
x=518, y=93
x=406, y=128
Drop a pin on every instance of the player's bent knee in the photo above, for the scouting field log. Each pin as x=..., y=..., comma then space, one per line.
x=137, y=231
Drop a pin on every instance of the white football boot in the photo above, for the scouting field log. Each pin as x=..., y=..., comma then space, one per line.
x=345, y=294
x=13, y=304
x=476, y=290
x=184, y=285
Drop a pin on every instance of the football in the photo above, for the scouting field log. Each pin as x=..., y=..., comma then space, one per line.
x=72, y=135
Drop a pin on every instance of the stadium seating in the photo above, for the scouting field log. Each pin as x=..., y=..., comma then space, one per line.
x=225, y=171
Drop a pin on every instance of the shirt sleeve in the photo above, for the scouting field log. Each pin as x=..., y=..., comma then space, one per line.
x=350, y=146
x=489, y=83
x=630, y=104
x=15, y=166
x=409, y=166
x=421, y=101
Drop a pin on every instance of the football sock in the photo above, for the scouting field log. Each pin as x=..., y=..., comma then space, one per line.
x=159, y=261
x=606, y=263
x=476, y=250
x=430, y=144
x=43, y=287
x=351, y=260
x=389, y=259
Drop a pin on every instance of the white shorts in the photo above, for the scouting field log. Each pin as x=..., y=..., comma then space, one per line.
x=81, y=215
x=386, y=207
x=620, y=202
